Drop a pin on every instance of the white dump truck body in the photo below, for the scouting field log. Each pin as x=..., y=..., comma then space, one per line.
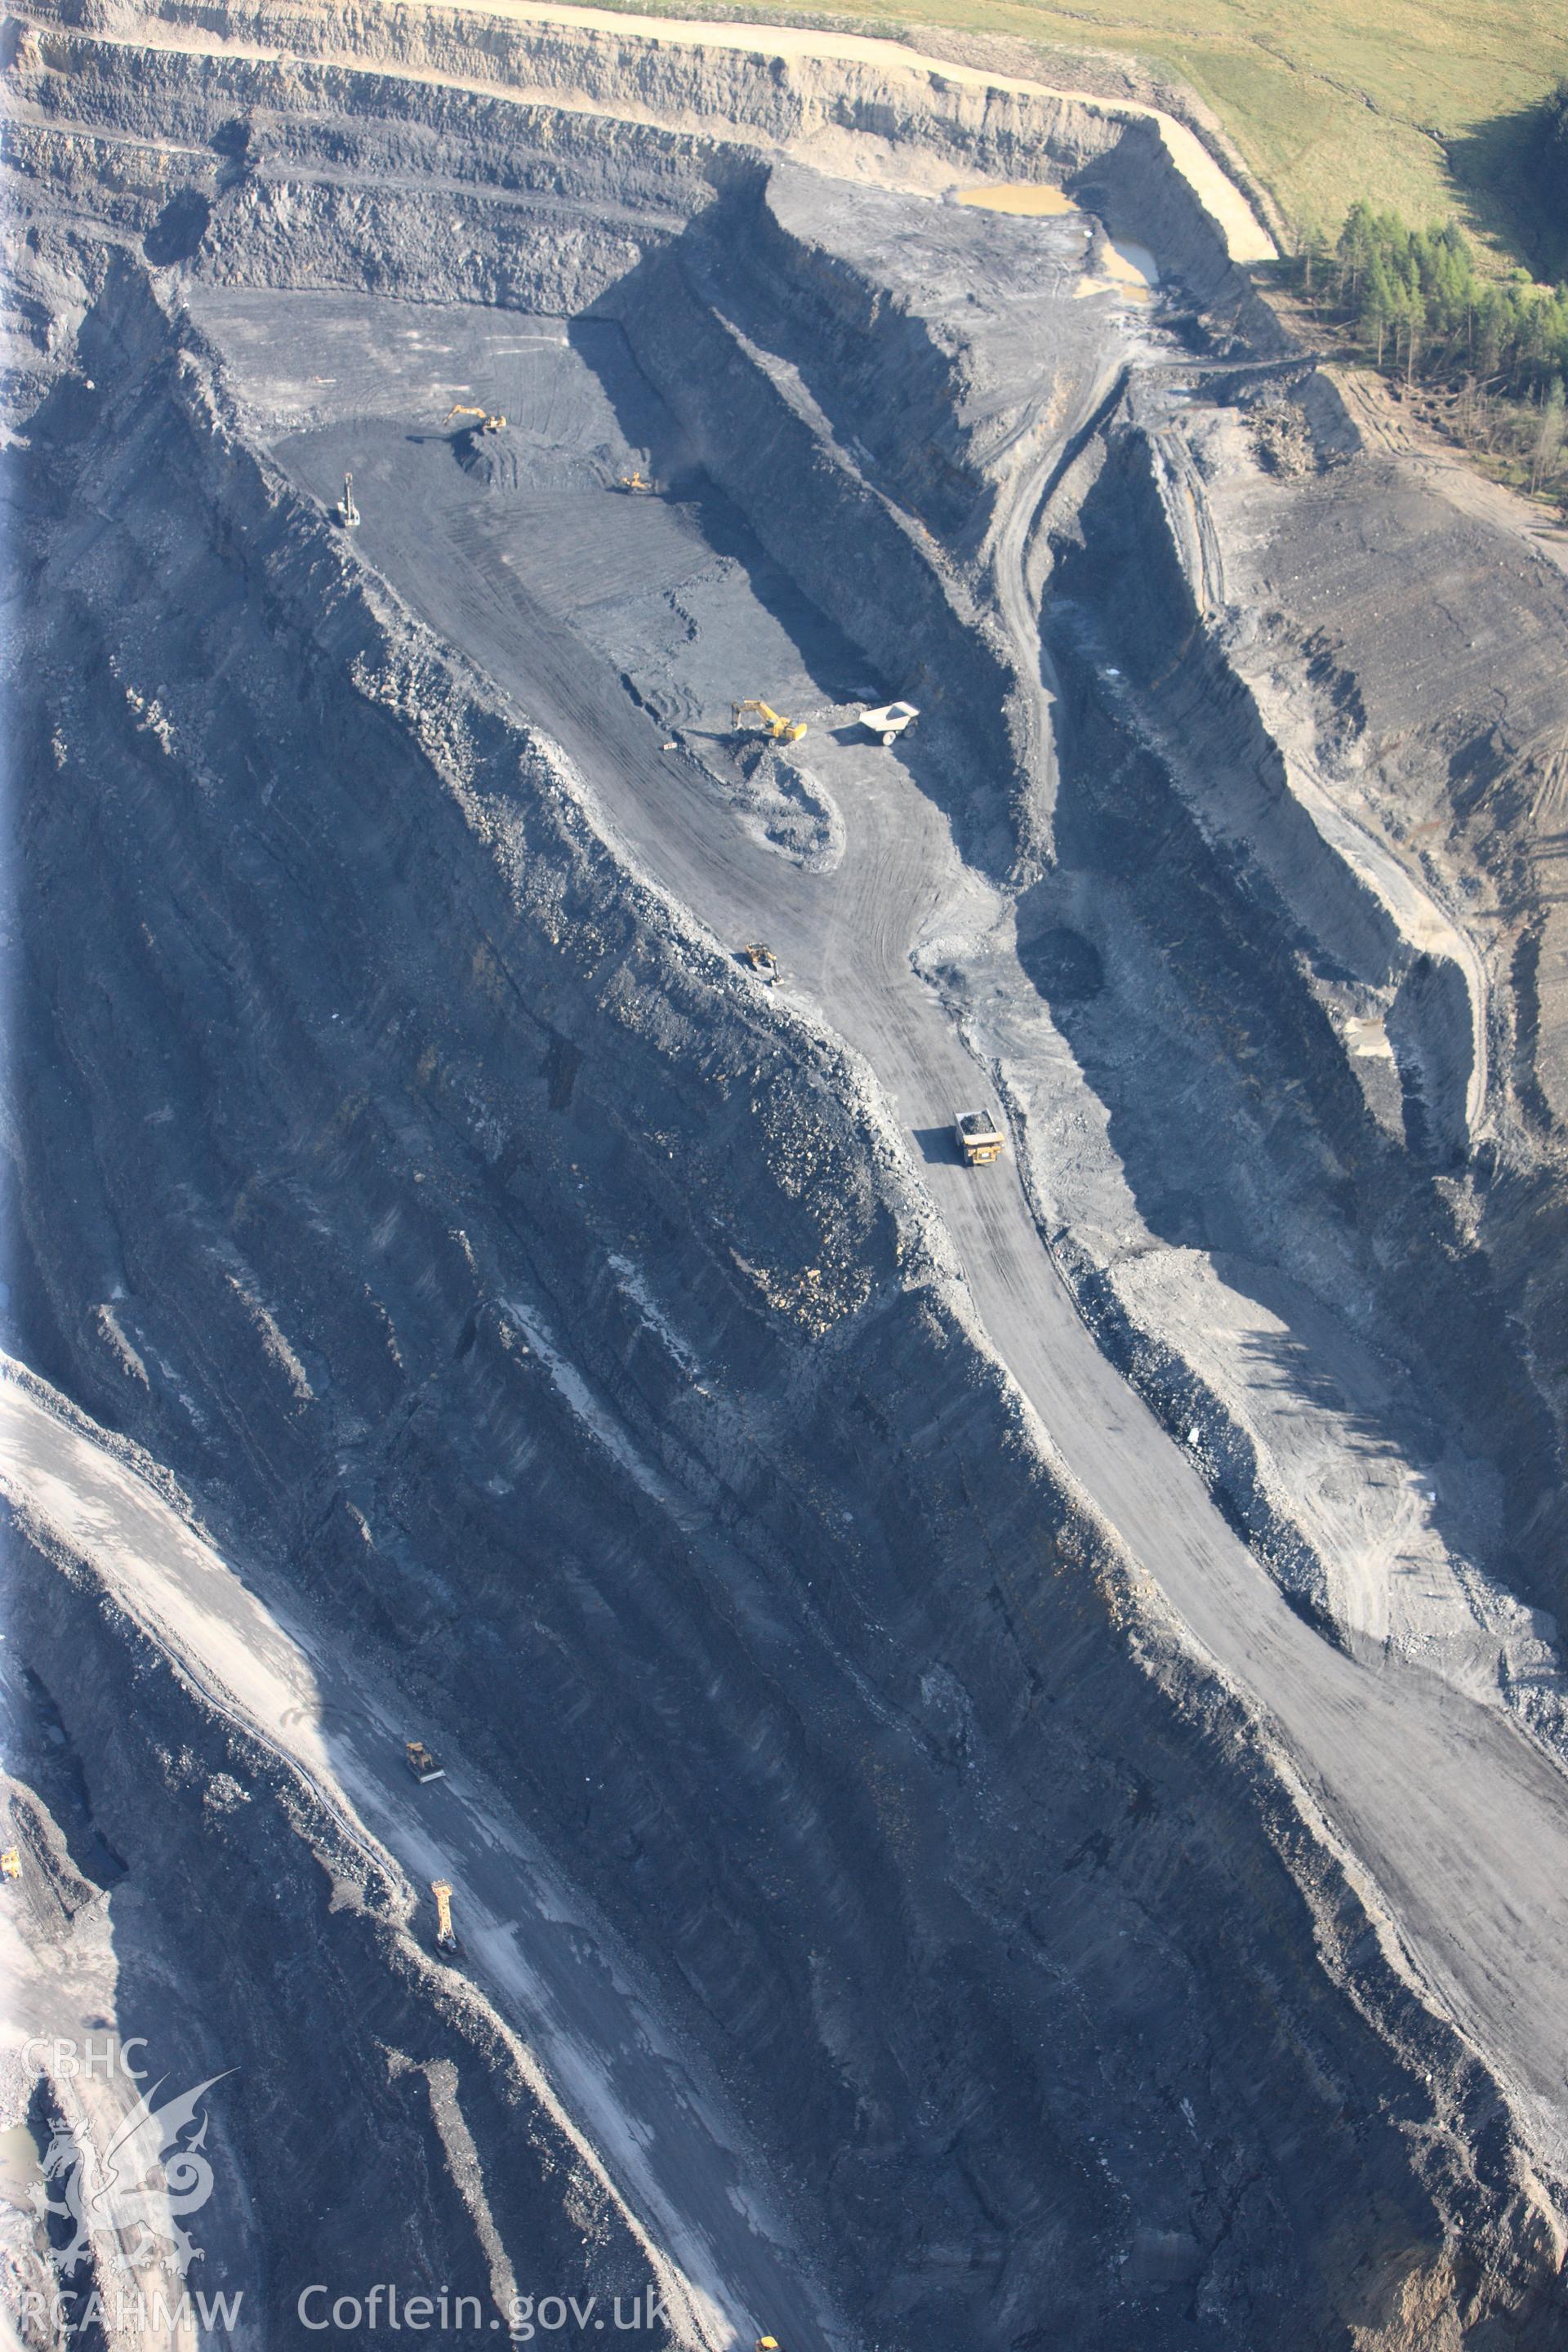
x=888, y=722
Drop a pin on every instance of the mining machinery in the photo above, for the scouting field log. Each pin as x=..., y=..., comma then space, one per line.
x=745, y=717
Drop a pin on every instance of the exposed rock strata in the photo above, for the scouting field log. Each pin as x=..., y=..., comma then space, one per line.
x=554, y=1313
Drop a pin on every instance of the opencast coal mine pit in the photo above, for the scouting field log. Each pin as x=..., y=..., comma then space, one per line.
x=783, y=1490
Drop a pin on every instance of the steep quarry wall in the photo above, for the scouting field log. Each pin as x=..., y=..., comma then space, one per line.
x=856, y=553
x=363, y=1234
x=318, y=174
x=867, y=102
x=1402, y=654
x=869, y=107
x=563, y=1322
x=889, y=373
x=422, y=2128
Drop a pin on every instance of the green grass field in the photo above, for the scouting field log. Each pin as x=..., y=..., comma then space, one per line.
x=1409, y=102
x=1414, y=104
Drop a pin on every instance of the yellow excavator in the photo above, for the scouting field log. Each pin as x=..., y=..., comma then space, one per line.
x=487, y=424
x=782, y=730
x=637, y=484
x=446, y=1934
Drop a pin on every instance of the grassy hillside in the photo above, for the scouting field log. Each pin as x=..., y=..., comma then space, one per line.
x=1414, y=104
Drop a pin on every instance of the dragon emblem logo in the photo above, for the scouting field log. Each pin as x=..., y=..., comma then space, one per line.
x=128, y=2200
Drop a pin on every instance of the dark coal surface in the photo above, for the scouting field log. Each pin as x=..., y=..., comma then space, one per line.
x=554, y=1328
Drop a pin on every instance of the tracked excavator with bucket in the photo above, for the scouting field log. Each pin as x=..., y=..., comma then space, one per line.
x=748, y=716
x=446, y=1934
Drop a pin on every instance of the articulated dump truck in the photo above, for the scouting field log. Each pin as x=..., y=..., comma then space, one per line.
x=978, y=1137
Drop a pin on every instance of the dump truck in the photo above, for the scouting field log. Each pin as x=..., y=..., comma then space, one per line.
x=978, y=1137
x=889, y=721
x=421, y=1763
x=763, y=961
x=745, y=716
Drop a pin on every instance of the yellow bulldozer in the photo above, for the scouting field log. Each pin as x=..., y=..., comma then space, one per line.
x=421, y=1763
x=487, y=424
x=745, y=716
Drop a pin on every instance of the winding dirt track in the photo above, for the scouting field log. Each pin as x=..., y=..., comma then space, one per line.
x=1458, y=1819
